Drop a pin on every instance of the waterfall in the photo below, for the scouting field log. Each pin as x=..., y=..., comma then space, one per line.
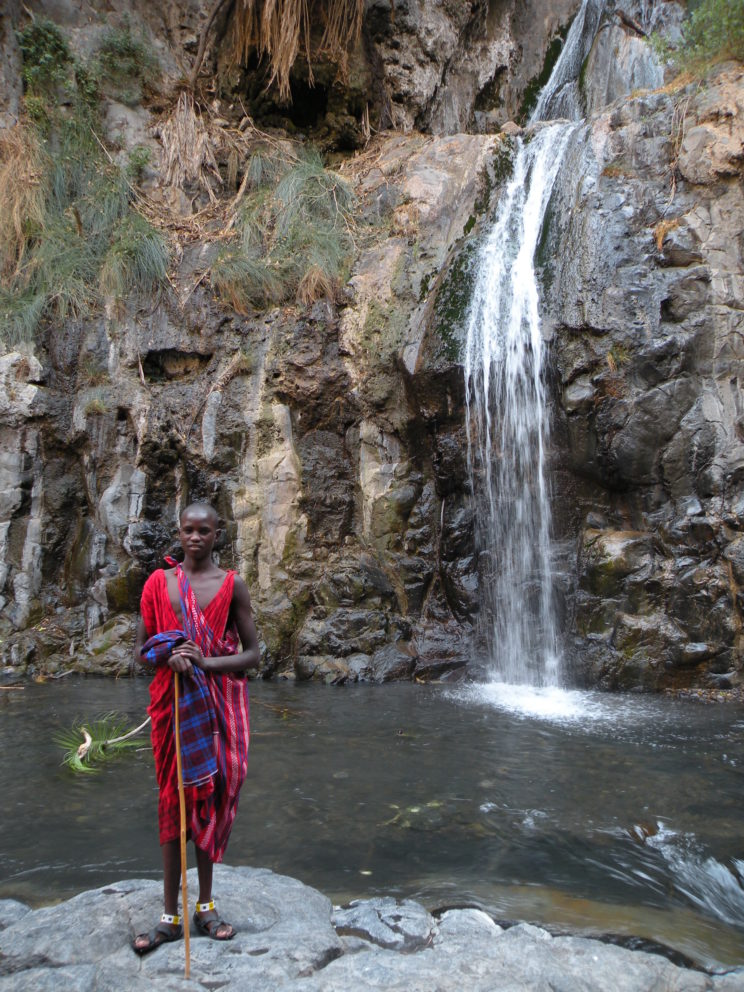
x=506, y=405
x=560, y=96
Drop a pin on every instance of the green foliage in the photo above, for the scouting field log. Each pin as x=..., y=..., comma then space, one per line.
x=46, y=55
x=294, y=234
x=20, y=313
x=125, y=65
x=68, y=230
x=139, y=159
x=714, y=31
x=244, y=279
x=95, y=741
x=137, y=258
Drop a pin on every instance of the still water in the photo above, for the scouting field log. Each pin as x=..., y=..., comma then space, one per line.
x=582, y=812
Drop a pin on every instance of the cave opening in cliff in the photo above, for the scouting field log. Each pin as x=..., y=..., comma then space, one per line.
x=308, y=105
x=305, y=107
x=170, y=363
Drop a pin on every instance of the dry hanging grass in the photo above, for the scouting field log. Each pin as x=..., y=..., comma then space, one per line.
x=187, y=148
x=22, y=194
x=279, y=29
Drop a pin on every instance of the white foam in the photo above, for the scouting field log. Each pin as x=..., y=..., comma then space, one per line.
x=550, y=703
x=715, y=887
x=584, y=709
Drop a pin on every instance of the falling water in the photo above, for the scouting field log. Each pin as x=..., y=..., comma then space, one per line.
x=506, y=411
x=560, y=96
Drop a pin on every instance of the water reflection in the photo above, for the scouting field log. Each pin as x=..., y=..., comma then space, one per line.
x=627, y=820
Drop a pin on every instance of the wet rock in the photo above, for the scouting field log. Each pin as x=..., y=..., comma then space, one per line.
x=610, y=557
x=386, y=922
x=326, y=641
x=648, y=411
x=650, y=644
x=619, y=63
x=327, y=485
x=735, y=554
x=441, y=649
x=345, y=427
x=108, y=648
x=393, y=662
x=287, y=939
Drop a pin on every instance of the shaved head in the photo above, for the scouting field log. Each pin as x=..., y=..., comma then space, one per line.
x=201, y=509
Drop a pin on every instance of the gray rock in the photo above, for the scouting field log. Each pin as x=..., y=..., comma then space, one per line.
x=290, y=940
x=399, y=926
x=11, y=911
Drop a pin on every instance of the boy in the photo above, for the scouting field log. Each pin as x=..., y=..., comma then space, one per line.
x=209, y=637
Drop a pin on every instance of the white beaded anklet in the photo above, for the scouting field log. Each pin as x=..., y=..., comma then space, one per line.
x=168, y=918
x=205, y=907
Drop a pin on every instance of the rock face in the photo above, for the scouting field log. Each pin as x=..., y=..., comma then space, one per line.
x=458, y=67
x=332, y=437
x=288, y=938
x=644, y=295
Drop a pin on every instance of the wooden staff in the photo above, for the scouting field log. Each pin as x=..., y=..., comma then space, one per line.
x=182, y=811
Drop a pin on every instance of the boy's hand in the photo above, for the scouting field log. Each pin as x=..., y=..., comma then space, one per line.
x=185, y=656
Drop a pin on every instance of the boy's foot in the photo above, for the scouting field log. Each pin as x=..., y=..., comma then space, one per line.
x=168, y=929
x=208, y=923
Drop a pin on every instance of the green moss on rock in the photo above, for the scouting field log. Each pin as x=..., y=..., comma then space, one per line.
x=453, y=303
x=532, y=90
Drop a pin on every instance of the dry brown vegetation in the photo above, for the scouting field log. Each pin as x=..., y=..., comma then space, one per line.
x=22, y=194
x=663, y=228
x=279, y=29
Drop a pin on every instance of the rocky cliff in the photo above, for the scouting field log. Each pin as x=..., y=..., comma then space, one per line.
x=331, y=435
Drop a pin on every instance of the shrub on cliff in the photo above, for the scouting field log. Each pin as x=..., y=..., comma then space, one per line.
x=713, y=31
x=294, y=234
x=69, y=233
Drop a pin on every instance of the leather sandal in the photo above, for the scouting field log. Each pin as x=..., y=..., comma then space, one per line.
x=210, y=928
x=162, y=934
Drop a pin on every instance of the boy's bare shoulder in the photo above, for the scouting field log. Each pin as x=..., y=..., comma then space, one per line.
x=240, y=590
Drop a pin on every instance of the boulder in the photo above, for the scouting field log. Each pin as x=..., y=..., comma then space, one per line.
x=289, y=938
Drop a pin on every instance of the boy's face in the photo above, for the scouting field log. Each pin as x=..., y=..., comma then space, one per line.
x=197, y=533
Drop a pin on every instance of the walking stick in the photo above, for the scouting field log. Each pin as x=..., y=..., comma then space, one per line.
x=182, y=811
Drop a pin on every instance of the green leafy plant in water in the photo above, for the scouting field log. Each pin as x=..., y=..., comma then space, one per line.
x=86, y=744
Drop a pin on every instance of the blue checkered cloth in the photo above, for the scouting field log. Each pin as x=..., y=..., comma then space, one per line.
x=195, y=713
x=159, y=647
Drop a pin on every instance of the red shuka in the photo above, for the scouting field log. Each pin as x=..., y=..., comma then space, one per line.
x=211, y=807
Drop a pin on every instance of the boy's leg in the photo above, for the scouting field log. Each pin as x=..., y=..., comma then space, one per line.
x=205, y=868
x=171, y=876
x=171, y=884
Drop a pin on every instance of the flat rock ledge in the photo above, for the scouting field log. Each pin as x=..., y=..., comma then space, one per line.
x=290, y=937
